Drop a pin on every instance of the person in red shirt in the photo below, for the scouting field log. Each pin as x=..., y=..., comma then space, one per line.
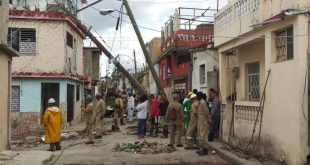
x=154, y=116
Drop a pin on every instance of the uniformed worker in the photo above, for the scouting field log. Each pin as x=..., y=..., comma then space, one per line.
x=202, y=125
x=118, y=112
x=124, y=109
x=52, y=121
x=175, y=116
x=89, y=112
x=192, y=127
x=100, y=112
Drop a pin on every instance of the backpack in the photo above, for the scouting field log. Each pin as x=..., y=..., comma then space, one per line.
x=173, y=115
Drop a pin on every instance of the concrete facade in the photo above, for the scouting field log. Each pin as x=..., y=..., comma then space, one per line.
x=284, y=123
x=6, y=55
x=153, y=48
x=91, y=57
x=54, y=69
x=207, y=57
x=61, y=58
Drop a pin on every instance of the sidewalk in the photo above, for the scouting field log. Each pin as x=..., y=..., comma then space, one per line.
x=231, y=157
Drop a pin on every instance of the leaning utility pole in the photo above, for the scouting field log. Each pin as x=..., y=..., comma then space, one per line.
x=142, y=44
x=119, y=66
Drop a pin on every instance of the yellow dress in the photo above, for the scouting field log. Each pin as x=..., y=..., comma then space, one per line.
x=52, y=121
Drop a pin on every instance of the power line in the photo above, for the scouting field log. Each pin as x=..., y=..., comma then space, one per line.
x=129, y=21
x=169, y=2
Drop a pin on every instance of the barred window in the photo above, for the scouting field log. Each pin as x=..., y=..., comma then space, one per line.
x=22, y=40
x=253, y=78
x=285, y=44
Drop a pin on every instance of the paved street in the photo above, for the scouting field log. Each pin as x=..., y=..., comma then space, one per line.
x=76, y=152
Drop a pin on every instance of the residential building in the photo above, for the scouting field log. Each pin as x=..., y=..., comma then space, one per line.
x=91, y=61
x=50, y=66
x=153, y=48
x=6, y=55
x=175, y=59
x=264, y=51
x=205, y=68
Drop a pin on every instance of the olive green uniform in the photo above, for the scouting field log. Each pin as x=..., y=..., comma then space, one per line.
x=118, y=112
x=203, y=123
x=176, y=124
x=89, y=111
x=100, y=112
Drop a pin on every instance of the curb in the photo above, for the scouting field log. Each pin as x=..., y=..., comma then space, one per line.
x=230, y=157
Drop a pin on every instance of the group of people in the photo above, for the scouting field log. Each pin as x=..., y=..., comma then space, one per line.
x=197, y=117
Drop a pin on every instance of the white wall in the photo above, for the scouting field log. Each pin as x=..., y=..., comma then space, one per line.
x=208, y=57
x=153, y=87
x=285, y=118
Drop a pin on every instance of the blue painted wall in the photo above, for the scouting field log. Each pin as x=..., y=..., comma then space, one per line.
x=30, y=92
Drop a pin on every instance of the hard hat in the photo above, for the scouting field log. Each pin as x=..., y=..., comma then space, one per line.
x=51, y=101
x=189, y=93
x=88, y=97
x=193, y=96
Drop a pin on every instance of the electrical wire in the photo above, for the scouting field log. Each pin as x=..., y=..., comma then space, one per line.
x=128, y=21
x=169, y=2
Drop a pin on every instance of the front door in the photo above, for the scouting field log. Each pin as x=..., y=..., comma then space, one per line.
x=49, y=90
x=70, y=102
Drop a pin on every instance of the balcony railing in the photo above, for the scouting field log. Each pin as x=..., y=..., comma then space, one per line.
x=235, y=10
x=188, y=38
x=246, y=112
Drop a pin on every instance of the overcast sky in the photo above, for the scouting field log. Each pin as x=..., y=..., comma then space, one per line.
x=148, y=13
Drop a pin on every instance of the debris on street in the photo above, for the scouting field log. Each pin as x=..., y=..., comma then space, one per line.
x=144, y=147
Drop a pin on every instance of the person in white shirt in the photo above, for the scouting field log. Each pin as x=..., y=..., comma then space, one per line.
x=142, y=109
x=130, y=107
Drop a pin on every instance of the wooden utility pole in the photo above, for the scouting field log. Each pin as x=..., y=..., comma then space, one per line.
x=142, y=44
x=135, y=60
x=120, y=67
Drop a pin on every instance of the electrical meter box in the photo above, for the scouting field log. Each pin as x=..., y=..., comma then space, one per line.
x=235, y=73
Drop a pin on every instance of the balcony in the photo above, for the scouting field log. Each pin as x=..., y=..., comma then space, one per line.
x=236, y=18
x=188, y=38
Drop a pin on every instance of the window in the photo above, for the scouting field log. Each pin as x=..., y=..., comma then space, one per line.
x=22, y=40
x=183, y=59
x=15, y=99
x=78, y=92
x=253, y=78
x=285, y=44
x=69, y=40
x=202, y=73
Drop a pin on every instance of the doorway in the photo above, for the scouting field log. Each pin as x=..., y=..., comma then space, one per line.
x=49, y=90
x=70, y=102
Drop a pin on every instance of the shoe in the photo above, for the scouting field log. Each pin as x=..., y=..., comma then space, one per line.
x=89, y=143
x=179, y=145
x=58, y=147
x=203, y=152
x=164, y=137
x=199, y=151
x=188, y=147
x=98, y=137
x=52, y=150
x=156, y=135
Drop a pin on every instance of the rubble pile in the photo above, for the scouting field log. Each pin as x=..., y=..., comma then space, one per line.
x=144, y=147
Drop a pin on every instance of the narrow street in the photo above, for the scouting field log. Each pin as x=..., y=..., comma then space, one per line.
x=102, y=152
